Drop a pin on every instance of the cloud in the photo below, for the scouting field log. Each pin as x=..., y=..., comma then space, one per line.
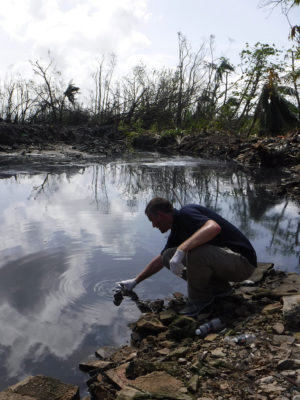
x=75, y=32
x=40, y=222
x=52, y=21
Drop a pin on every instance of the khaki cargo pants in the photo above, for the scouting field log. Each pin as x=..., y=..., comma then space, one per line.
x=209, y=269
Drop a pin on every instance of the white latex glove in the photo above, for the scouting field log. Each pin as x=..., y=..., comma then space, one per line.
x=176, y=265
x=127, y=285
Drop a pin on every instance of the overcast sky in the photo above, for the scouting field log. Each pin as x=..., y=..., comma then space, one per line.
x=77, y=32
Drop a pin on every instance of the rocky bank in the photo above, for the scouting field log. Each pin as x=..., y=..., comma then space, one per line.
x=166, y=360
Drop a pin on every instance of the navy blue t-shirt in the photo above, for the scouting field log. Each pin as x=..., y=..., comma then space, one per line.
x=191, y=217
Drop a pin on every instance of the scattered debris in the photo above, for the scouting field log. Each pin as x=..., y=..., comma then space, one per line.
x=167, y=360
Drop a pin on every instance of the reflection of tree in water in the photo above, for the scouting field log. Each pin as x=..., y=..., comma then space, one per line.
x=260, y=200
x=259, y=205
x=37, y=190
x=99, y=190
x=51, y=182
x=214, y=187
x=177, y=183
x=285, y=232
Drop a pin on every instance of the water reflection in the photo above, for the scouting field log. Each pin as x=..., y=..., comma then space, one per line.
x=68, y=234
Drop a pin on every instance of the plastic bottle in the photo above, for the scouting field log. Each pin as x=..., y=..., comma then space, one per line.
x=245, y=338
x=118, y=297
x=213, y=325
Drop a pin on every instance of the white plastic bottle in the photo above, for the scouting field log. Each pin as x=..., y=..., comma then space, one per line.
x=210, y=326
x=243, y=339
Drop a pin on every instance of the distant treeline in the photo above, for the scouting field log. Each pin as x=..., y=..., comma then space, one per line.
x=260, y=95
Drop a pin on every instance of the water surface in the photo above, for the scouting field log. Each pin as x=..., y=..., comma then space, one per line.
x=68, y=233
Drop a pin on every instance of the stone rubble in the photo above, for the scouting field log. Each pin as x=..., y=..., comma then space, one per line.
x=40, y=388
x=166, y=360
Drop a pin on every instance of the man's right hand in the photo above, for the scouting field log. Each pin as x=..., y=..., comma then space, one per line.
x=127, y=285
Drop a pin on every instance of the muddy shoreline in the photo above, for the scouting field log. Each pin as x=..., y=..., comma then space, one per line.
x=24, y=144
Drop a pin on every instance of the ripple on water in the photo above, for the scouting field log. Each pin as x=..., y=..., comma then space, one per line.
x=83, y=294
x=103, y=289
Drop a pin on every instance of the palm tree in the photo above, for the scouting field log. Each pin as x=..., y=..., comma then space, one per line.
x=71, y=92
x=273, y=111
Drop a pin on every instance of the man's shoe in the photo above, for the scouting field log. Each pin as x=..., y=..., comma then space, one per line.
x=193, y=309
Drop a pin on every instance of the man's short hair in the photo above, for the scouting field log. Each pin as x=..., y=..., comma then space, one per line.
x=158, y=204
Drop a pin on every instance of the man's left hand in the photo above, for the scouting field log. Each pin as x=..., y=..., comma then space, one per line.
x=176, y=265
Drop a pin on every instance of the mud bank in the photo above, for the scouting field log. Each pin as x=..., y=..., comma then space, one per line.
x=23, y=142
x=252, y=154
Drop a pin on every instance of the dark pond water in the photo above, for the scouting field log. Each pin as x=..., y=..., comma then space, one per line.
x=68, y=233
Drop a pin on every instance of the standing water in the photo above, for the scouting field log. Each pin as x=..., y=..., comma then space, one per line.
x=68, y=233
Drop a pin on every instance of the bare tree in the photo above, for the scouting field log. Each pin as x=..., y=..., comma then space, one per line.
x=50, y=94
x=286, y=7
x=9, y=88
x=188, y=76
x=47, y=93
x=103, y=96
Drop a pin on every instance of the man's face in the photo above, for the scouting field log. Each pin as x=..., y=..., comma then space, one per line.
x=161, y=221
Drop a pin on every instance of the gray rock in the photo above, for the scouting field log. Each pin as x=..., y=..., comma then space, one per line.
x=87, y=366
x=278, y=328
x=40, y=388
x=118, y=375
x=218, y=353
x=183, y=327
x=106, y=352
x=261, y=270
x=179, y=352
x=149, y=325
x=130, y=393
x=291, y=311
x=288, y=364
x=162, y=385
x=288, y=285
x=167, y=316
x=193, y=384
x=279, y=339
x=272, y=308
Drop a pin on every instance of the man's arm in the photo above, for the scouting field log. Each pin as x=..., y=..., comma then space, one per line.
x=203, y=235
x=152, y=268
